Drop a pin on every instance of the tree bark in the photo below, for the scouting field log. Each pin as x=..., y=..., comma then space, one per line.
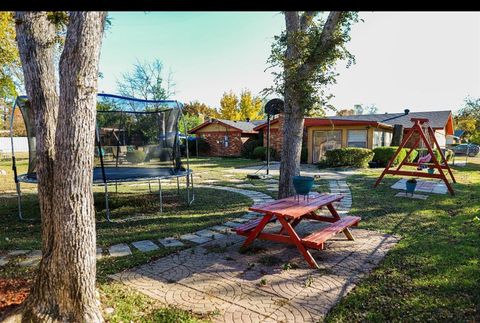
x=295, y=71
x=293, y=122
x=64, y=289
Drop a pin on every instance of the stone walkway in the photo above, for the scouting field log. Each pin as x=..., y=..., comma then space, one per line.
x=271, y=282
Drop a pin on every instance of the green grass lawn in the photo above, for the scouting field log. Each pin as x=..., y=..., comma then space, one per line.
x=133, y=201
x=433, y=274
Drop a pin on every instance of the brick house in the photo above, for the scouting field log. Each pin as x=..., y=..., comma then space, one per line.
x=226, y=137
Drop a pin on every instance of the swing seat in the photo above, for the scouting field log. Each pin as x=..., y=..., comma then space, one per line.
x=422, y=161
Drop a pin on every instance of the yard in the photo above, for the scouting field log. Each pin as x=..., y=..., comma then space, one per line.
x=433, y=273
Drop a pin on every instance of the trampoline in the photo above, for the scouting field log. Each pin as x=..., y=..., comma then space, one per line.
x=136, y=140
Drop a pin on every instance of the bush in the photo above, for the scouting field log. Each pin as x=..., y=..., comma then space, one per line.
x=136, y=156
x=382, y=155
x=260, y=152
x=248, y=148
x=353, y=157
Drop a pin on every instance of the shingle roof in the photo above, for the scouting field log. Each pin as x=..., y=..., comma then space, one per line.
x=244, y=126
x=438, y=119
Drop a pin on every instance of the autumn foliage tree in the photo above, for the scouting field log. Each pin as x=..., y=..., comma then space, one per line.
x=64, y=288
x=250, y=107
x=243, y=108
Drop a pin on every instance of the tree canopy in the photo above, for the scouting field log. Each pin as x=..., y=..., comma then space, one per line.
x=147, y=81
x=468, y=119
x=10, y=68
x=304, y=57
x=246, y=107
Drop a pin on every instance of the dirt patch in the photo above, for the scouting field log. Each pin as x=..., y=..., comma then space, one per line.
x=13, y=292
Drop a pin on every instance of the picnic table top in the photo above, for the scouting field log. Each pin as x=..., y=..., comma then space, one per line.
x=292, y=208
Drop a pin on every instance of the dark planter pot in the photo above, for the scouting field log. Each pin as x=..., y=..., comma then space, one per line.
x=303, y=184
x=411, y=187
x=431, y=170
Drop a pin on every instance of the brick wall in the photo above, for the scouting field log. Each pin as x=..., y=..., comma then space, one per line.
x=216, y=140
x=276, y=135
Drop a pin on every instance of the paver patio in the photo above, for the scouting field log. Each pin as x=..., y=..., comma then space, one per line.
x=271, y=283
x=428, y=186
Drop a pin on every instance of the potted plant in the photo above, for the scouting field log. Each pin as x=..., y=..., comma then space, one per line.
x=411, y=184
x=303, y=184
x=431, y=169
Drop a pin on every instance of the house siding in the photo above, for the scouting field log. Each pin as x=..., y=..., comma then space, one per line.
x=344, y=129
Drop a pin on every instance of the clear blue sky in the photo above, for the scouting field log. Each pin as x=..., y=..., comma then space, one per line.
x=423, y=61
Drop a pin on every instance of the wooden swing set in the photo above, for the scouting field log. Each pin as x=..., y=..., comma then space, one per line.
x=430, y=158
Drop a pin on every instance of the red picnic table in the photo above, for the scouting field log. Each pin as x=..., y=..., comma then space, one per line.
x=290, y=212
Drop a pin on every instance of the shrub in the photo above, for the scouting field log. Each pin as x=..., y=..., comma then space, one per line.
x=382, y=155
x=354, y=157
x=260, y=152
x=136, y=156
x=248, y=148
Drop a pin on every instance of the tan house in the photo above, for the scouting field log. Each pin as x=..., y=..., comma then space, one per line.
x=366, y=131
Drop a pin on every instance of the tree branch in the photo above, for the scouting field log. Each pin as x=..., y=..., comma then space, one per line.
x=323, y=43
x=306, y=19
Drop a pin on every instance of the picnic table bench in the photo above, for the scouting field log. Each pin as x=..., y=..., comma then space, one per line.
x=290, y=212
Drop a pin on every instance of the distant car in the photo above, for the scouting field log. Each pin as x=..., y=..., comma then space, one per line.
x=463, y=149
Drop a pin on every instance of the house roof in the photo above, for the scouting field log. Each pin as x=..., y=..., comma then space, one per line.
x=437, y=119
x=459, y=133
x=243, y=126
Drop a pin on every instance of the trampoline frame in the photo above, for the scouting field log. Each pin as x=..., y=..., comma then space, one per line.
x=187, y=173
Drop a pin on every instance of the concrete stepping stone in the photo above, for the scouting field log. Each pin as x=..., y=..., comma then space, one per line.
x=119, y=250
x=32, y=258
x=410, y=196
x=245, y=185
x=145, y=245
x=170, y=242
x=232, y=224
x=194, y=238
x=209, y=234
x=241, y=220
x=3, y=261
x=220, y=228
x=18, y=252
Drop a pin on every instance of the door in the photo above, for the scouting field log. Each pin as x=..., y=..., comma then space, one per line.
x=325, y=140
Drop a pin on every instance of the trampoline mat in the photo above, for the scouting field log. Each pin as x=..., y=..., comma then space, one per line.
x=122, y=174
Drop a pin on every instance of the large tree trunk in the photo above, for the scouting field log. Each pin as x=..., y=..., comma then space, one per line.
x=292, y=147
x=64, y=289
x=293, y=122
x=296, y=71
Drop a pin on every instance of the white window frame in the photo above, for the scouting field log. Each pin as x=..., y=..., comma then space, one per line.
x=350, y=142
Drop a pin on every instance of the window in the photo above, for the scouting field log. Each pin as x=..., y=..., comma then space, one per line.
x=381, y=138
x=378, y=138
x=357, y=138
x=325, y=140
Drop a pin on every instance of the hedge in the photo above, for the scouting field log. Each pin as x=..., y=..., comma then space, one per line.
x=353, y=157
x=382, y=155
x=136, y=156
x=260, y=152
x=248, y=148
